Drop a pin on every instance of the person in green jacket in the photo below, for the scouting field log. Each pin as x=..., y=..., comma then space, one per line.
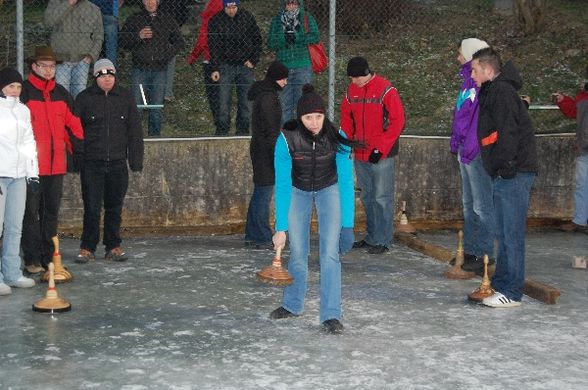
x=291, y=31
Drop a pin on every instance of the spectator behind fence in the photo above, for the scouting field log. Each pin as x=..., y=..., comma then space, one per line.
x=578, y=108
x=201, y=49
x=509, y=153
x=476, y=184
x=372, y=114
x=266, y=120
x=77, y=34
x=113, y=136
x=289, y=39
x=109, y=10
x=57, y=132
x=234, y=41
x=19, y=165
x=153, y=39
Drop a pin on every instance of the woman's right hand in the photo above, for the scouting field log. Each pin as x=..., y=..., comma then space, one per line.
x=279, y=240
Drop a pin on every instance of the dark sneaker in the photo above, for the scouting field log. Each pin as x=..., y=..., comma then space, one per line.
x=333, y=326
x=378, y=249
x=280, y=313
x=467, y=258
x=116, y=254
x=85, y=256
x=477, y=265
x=361, y=244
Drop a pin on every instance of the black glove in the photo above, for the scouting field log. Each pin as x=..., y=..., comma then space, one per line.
x=33, y=184
x=290, y=36
x=375, y=156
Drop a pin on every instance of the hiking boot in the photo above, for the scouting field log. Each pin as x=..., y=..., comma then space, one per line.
x=499, y=300
x=116, y=254
x=333, y=326
x=361, y=244
x=467, y=258
x=280, y=313
x=477, y=265
x=22, y=282
x=378, y=249
x=85, y=256
x=34, y=269
x=5, y=289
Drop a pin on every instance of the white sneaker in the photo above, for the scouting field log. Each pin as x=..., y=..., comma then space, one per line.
x=22, y=282
x=499, y=300
x=5, y=289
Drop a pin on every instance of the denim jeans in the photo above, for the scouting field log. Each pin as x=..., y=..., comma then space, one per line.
x=257, y=227
x=103, y=182
x=478, y=209
x=511, y=202
x=328, y=211
x=581, y=195
x=110, y=38
x=170, y=73
x=73, y=76
x=212, y=92
x=293, y=90
x=12, y=207
x=153, y=82
x=242, y=77
x=40, y=220
x=376, y=182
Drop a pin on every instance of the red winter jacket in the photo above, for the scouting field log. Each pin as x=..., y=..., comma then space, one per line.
x=362, y=117
x=201, y=46
x=55, y=126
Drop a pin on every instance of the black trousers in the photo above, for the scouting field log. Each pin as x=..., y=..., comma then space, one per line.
x=212, y=92
x=40, y=220
x=103, y=183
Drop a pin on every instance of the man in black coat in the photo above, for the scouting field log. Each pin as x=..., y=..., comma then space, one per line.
x=113, y=138
x=266, y=119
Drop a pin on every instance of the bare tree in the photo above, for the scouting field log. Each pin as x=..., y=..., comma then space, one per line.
x=531, y=15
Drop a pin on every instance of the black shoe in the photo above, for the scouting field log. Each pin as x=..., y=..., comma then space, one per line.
x=361, y=244
x=280, y=313
x=477, y=265
x=333, y=326
x=378, y=249
x=467, y=258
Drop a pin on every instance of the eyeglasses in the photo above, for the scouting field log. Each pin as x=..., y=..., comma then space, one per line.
x=44, y=66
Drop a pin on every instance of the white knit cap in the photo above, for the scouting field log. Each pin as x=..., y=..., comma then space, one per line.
x=470, y=46
x=105, y=64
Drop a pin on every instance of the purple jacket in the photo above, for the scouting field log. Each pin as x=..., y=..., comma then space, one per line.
x=464, y=137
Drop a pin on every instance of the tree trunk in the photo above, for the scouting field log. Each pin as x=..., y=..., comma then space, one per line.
x=531, y=15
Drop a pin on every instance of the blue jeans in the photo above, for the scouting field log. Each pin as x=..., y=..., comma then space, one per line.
x=257, y=227
x=153, y=82
x=511, y=202
x=329, y=225
x=242, y=77
x=376, y=182
x=293, y=90
x=170, y=72
x=478, y=209
x=581, y=195
x=12, y=207
x=110, y=38
x=73, y=76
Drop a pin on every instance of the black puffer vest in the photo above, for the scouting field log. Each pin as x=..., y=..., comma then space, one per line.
x=313, y=158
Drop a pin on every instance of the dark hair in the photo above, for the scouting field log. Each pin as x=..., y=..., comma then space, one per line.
x=489, y=56
x=331, y=133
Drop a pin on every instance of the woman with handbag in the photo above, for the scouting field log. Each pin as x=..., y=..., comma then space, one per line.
x=293, y=30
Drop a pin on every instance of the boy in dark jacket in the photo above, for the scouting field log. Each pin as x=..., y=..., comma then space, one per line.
x=509, y=154
x=113, y=137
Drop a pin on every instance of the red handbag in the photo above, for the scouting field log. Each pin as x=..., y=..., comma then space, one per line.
x=317, y=53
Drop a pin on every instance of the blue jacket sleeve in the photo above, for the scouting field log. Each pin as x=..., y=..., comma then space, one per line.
x=345, y=179
x=283, y=169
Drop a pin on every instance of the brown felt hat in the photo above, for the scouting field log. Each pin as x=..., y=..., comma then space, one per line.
x=43, y=53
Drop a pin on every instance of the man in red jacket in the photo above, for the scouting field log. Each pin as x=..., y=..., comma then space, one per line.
x=372, y=114
x=57, y=131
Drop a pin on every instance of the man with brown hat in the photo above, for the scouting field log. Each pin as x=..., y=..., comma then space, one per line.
x=57, y=131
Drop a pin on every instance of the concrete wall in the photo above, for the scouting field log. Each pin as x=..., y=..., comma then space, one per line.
x=204, y=185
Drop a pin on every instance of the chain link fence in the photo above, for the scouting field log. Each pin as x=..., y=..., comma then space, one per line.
x=413, y=43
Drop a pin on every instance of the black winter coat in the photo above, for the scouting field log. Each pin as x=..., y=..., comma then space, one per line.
x=112, y=129
x=505, y=132
x=266, y=119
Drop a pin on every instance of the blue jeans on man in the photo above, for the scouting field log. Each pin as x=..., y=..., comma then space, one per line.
x=581, y=195
x=257, y=227
x=73, y=76
x=376, y=182
x=293, y=91
x=328, y=210
x=153, y=82
x=110, y=37
x=241, y=77
x=12, y=207
x=478, y=209
x=511, y=202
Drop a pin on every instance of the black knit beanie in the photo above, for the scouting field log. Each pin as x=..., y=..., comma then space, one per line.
x=309, y=102
x=276, y=71
x=9, y=76
x=357, y=67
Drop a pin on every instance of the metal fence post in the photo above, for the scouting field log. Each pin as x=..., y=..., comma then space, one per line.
x=19, y=37
x=332, y=53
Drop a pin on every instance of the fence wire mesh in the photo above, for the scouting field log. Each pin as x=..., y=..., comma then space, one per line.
x=413, y=43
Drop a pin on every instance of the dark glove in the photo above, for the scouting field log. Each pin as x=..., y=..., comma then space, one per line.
x=346, y=238
x=375, y=156
x=290, y=36
x=33, y=184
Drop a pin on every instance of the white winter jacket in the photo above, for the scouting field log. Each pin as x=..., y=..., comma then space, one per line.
x=18, y=150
